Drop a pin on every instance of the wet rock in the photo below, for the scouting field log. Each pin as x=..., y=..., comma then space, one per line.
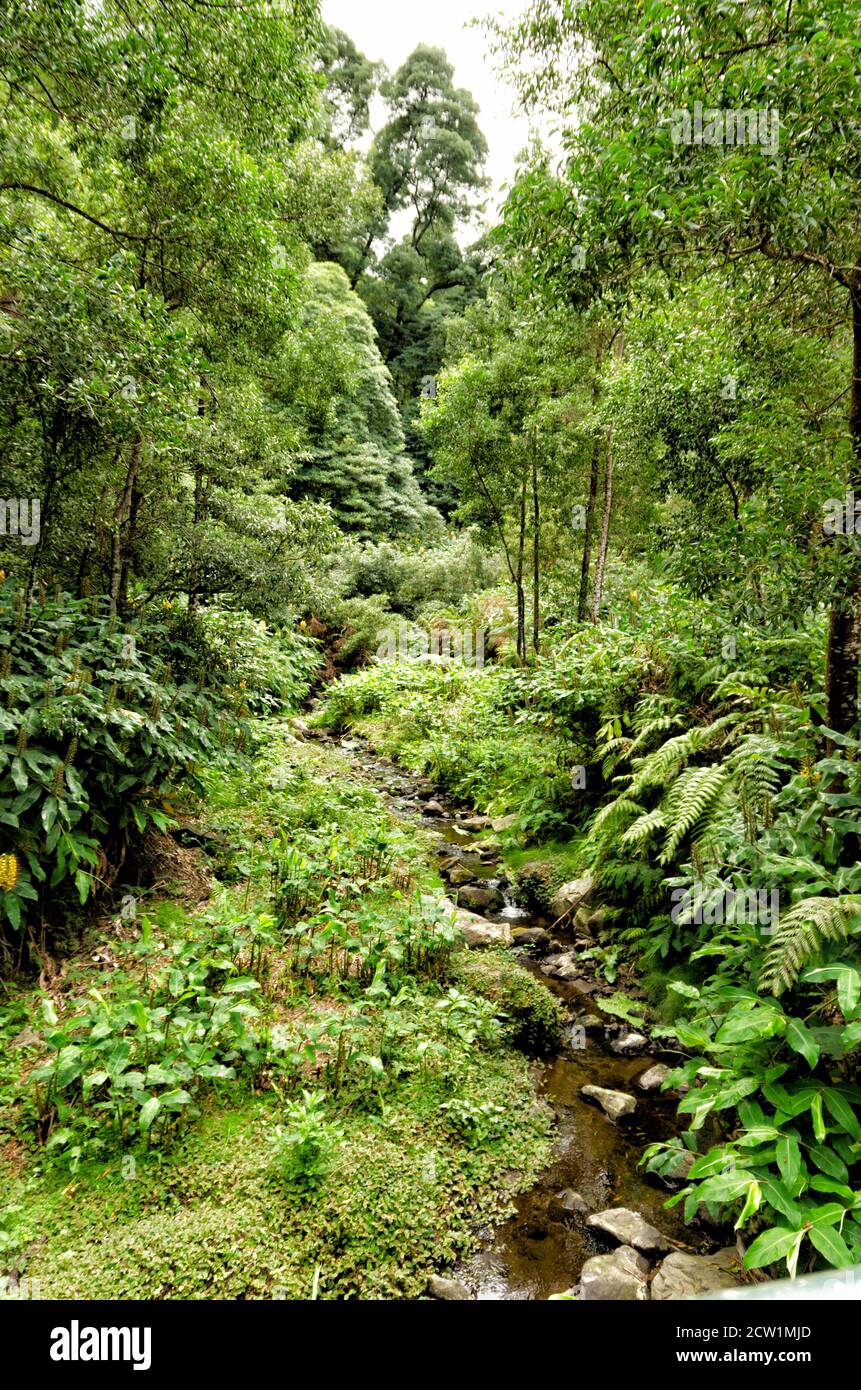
x=503, y=822
x=489, y=849
x=681, y=1168
x=593, y=1023
x=629, y=1044
x=300, y=728
x=622, y=1275
x=479, y=899
x=629, y=1228
x=585, y=986
x=477, y=930
x=690, y=1276
x=459, y=874
x=568, y=1203
x=654, y=1078
x=569, y=897
x=434, y=808
x=474, y=823
x=448, y=1289
x=531, y=936
x=562, y=966
x=596, y=920
x=616, y=1104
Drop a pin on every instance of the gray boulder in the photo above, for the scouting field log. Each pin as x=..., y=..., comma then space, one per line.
x=562, y=966
x=448, y=1289
x=629, y=1228
x=473, y=896
x=568, y=1203
x=654, y=1078
x=616, y=1104
x=477, y=930
x=691, y=1276
x=531, y=936
x=622, y=1275
x=459, y=874
x=570, y=896
x=629, y=1044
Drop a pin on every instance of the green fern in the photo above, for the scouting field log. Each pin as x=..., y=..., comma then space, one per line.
x=687, y=805
x=643, y=828
x=802, y=934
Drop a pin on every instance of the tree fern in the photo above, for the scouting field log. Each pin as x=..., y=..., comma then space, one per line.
x=690, y=799
x=802, y=934
x=658, y=768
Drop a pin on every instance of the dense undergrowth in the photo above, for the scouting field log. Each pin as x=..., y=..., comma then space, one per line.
x=720, y=826
x=297, y=1088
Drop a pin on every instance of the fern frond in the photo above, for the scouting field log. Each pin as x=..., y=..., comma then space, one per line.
x=691, y=797
x=655, y=726
x=801, y=935
x=659, y=768
x=643, y=828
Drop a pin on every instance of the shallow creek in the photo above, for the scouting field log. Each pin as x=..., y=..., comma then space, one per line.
x=541, y=1249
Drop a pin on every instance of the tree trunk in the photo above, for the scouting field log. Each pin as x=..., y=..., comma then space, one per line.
x=536, y=555
x=598, y=588
x=583, y=599
x=844, y=627
x=521, y=597
x=121, y=515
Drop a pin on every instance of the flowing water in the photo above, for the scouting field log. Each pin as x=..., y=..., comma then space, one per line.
x=541, y=1249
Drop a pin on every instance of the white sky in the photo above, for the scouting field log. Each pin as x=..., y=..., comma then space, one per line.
x=391, y=29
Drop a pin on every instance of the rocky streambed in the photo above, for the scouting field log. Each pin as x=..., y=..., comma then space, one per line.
x=594, y=1226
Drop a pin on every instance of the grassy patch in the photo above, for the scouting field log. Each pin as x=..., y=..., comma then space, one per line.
x=355, y=1008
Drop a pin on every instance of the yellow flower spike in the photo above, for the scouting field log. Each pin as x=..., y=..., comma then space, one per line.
x=8, y=872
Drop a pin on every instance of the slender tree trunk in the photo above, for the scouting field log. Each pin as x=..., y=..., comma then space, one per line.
x=591, y=505
x=121, y=516
x=521, y=597
x=536, y=554
x=844, y=627
x=601, y=561
x=200, y=490
x=129, y=549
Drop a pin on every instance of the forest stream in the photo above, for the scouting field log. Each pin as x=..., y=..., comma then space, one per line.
x=541, y=1249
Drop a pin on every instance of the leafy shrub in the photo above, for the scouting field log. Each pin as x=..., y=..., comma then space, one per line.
x=478, y=1125
x=266, y=670
x=303, y=1148
x=788, y=1163
x=94, y=731
x=131, y=1057
x=533, y=1018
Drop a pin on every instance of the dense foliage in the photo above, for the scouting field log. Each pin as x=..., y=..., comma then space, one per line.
x=558, y=512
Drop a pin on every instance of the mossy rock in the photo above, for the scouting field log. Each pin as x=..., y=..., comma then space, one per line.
x=536, y=881
x=534, y=1017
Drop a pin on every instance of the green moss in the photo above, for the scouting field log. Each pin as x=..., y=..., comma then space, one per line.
x=535, y=1017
